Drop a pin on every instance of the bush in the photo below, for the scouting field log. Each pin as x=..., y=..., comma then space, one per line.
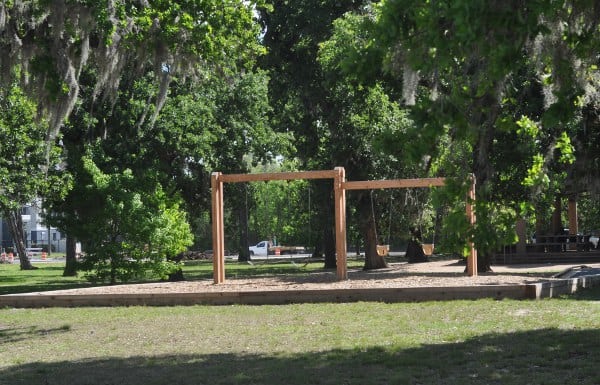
x=133, y=228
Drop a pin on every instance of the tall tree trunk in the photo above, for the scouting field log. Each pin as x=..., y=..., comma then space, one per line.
x=15, y=225
x=324, y=218
x=49, y=241
x=414, y=248
x=487, y=110
x=484, y=263
x=557, y=225
x=71, y=260
x=367, y=227
x=329, y=245
x=244, y=252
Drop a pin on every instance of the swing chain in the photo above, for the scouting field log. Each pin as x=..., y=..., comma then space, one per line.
x=389, y=233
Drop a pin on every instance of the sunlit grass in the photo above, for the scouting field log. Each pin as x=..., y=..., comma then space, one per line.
x=48, y=276
x=551, y=341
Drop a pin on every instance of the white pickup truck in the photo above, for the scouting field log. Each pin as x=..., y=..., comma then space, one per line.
x=594, y=239
x=267, y=248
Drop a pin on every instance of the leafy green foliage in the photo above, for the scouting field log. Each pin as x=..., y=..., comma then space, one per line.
x=478, y=65
x=64, y=39
x=132, y=228
x=217, y=124
x=27, y=163
x=281, y=210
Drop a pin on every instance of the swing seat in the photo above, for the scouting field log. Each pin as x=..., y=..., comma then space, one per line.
x=427, y=248
x=383, y=250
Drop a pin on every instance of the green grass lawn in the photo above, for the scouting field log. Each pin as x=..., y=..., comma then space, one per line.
x=553, y=341
x=48, y=276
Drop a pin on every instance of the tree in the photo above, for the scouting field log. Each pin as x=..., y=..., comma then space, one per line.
x=107, y=50
x=227, y=113
x=246, y=139
x=334, y=117
x=55, y=41
x=457, y=63
x=133, y=226
x=293, y=32
x=200, y=116
x=70, y=45
x=361, y=120
x=25, y=173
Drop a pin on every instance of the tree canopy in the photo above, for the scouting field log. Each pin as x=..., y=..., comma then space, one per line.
x=54, y=41
x=152, y=96
x=496, y=88
x=27, y=170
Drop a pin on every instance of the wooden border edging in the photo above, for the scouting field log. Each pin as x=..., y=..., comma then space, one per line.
x=556, y=288
x=268, y=297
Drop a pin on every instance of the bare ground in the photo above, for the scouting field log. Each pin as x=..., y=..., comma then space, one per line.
x=442, y=273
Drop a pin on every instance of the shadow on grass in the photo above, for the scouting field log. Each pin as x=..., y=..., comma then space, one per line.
x=43, y=286
x=547, y=356
x=13, y=335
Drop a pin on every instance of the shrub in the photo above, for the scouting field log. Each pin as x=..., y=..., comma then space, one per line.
x=133, y=227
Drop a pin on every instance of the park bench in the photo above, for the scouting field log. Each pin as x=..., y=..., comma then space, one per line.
x=32, y=251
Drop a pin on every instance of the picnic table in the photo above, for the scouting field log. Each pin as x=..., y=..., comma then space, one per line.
x=560, y=242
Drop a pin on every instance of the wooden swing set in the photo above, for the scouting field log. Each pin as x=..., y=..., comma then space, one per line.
x=340, y=186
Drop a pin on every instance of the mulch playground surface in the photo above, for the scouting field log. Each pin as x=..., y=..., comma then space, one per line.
x=401, y=282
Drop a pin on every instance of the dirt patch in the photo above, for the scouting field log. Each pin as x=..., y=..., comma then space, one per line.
x=399, y=275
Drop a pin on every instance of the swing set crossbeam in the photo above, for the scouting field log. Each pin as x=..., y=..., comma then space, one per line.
x=263, y=177
x=393, y=183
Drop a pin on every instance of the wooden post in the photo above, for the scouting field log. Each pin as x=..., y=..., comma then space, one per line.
x=217, y=228
x=470, y=206
x=340, y=223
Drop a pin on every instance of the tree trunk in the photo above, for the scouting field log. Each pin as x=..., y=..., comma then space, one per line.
x=318, y=249
x=71, y=260
x=414, y=249
x=244, y=252
x=367, y=226
x=557, y=225
x=414, y=252
x=15, y=225
x=487, y=110
x=49, y=241
x=484, y=263
x=177, y=275
x=329, y=246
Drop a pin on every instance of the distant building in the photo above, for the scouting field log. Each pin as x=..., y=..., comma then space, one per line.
x=36, y=233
